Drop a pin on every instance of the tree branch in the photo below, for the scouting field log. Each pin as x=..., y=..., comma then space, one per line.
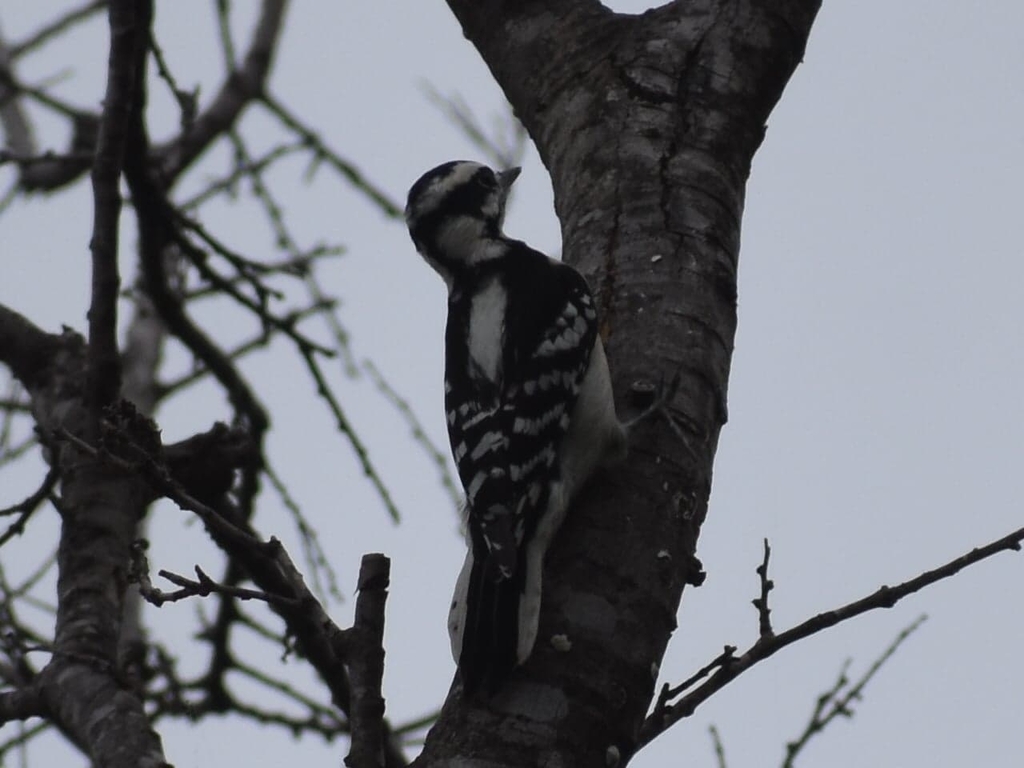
x=58, y=26
x=241, y=88
x=18, y=135
x=99, y=507
x=201, y=586
x=125, y=74
x=322, y=152
x=716, y=740
x=27, y=507
x=20, y=705
x=884, y=597
x=26, y=349
x=366, y=664
x=268, y=564
x=841, y=701
x=648, y=124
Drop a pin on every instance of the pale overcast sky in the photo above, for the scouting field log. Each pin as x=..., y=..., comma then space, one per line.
x=876, y=419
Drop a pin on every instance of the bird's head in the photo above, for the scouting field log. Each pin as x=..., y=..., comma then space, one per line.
x=455, y=212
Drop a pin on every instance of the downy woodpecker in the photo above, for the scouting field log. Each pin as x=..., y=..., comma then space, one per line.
x=528, y=401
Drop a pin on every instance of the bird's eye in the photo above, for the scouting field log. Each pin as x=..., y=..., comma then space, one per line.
x=489, y=181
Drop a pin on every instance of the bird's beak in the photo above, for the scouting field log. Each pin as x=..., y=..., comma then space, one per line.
x=505, y=178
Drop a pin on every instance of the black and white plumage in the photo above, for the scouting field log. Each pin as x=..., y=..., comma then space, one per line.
x=528, y=402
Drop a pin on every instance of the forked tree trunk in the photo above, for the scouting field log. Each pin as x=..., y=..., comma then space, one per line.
x=648, y=125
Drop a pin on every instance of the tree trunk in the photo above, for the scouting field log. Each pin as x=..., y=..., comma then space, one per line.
x=648, y=125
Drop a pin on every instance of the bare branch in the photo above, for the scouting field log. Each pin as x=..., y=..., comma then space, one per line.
x=724, y=659
x=186, y=100
x=286, y=241
x=366, y=665
x=11, y=406
x=125, y=81
x=313, y=553
x=11, y=453
x=227, y=44
x=206, y=586
x=345, y=427
x=28, y=507
x=326, y=725
x=319, y=710
x=158, y=222
x=249, y=271
x=159, y=236
x=18, y=134
x=419, y=435
x=159, y=477
x=716, y=739
x=841, y=704
x=241, y=87
x=248, y=168
x=25, y=736
x=40, y=96
x=258, y=341
x=26, y=349
x=20, y=705
x=418, y=724
x=663, y=718
x=47, y=171
x=203, y=586
x=58, y=26
x=266, y=562
x=505, y=149
x=323, y=153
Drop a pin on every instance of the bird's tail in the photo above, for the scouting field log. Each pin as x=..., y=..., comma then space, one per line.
x=490, y=633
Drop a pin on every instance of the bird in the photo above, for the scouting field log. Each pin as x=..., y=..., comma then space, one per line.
x=528, y=405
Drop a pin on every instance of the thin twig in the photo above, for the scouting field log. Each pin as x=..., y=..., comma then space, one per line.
x=327, y=726
x=242, y=85
x=227, y=43
x=11, y=406
x=187, y=101
x=286, y=241
x=256, y=342
x=204, y=586
x=716, y=739
x=250, y=623
x=291, y=692
x=419, y=435
x=323, y=153
x=15, y=452
x=57, y=27
x=249, y=271
x=28, y=506
x=662, y=718
x=36, y=498
x=314, y=555
x=504, y=151
x=39, y=95
x=226, y=183
x=725, y=658
x=416, y=724
x=764, y=620
x=345, y=427
x=24, y=736
x=841, y=704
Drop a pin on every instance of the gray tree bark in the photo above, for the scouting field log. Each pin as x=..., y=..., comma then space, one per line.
x=648, y=125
